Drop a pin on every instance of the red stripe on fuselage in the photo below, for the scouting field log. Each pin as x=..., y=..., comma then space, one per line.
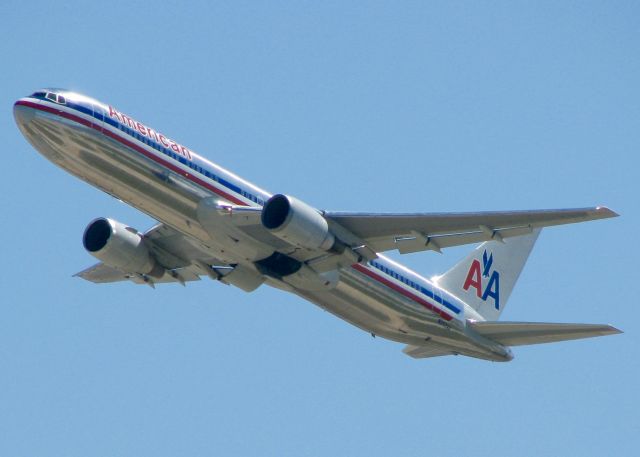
x=402, y=291
x=135, y=147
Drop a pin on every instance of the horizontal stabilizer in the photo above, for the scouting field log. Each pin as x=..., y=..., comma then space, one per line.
x=523, y=333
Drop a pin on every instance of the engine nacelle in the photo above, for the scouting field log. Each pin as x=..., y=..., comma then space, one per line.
x=296, y=223
x=120, y=247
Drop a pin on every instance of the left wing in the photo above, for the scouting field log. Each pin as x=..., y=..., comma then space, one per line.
x=427, y=351
x=101, y=273
x=182, y=260
x=415, y=232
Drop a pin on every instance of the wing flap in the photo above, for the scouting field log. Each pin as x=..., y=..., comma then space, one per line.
x=101, y=274
x=525, y=333
x=427, y=351
x=435, y=231
x=418, y=242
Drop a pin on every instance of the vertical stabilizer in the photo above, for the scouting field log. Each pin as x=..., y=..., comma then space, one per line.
x=485, y=278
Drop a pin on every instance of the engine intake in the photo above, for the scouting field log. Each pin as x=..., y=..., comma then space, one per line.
x=297, y=223
x=120, y=247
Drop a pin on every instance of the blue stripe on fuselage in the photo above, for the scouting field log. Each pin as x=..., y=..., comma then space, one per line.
x=414, y=285
x=199, y=168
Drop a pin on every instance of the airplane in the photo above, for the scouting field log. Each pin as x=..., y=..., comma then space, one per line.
x=212, y=223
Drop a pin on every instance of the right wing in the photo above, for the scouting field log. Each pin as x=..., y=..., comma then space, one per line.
x=413, y=232
x=368, y=233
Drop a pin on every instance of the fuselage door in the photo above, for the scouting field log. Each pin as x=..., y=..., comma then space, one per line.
x=437, y=298
x=98, y=114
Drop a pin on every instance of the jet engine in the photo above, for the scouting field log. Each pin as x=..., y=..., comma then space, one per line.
x=297, y=223
x=120, y=247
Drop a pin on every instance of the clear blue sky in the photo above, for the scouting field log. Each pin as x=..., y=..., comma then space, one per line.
x=380, y=106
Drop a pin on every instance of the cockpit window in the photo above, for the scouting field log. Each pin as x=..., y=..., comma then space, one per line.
x=38, y=94
x=56, y=98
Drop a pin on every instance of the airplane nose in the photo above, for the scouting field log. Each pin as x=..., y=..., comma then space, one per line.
x=22, y=114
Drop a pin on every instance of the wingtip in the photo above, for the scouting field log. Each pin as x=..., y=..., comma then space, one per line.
x=613, y=330
x=605, y=212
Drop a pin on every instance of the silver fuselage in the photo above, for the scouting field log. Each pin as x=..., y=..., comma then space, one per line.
x=166, y=180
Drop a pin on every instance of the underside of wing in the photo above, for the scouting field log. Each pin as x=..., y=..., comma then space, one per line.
x=435, y=231
x=101, y=273
x=427, y=351
x=524, y=333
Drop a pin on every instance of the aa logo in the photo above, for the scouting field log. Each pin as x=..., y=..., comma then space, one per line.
x=483, y=280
